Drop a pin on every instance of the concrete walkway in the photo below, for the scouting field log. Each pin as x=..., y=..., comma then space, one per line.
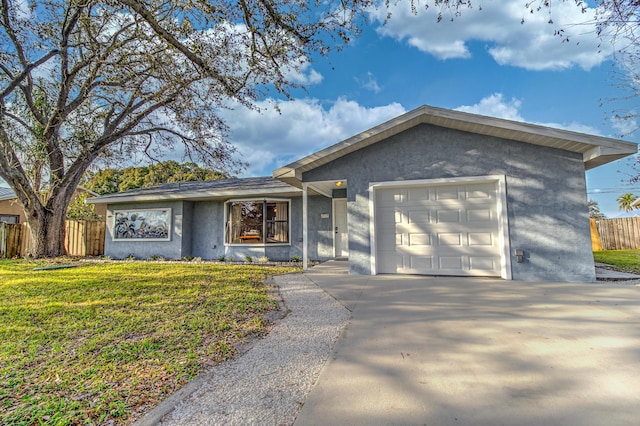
x=605, y=273
x=464, y=351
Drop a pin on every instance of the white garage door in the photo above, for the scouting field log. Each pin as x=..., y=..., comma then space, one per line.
x=438, y=230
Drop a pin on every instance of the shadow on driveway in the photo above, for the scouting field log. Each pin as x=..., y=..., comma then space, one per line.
x=455, y=351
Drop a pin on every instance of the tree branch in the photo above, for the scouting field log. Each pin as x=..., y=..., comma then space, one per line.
x=26, y=73
x=140, y=9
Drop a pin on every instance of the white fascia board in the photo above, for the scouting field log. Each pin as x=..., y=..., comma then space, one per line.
x=193, y=195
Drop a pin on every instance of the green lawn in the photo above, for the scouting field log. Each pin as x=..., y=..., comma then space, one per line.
x=624, y=260
x=107, y=341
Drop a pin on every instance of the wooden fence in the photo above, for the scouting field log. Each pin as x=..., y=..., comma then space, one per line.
x=83, y=238
x=616, y=234
x=11, y=240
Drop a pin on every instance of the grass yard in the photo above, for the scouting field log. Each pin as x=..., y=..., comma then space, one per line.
x=105, y=342
x=623, y=260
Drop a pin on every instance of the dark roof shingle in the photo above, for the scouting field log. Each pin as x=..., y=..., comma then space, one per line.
x=201, y=189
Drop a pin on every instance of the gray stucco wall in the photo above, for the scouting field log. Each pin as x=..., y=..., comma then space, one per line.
x=172, y=249
x=207, y=229
x=320, y=228
x=546, y=194
x=186, y=226
x=207, y=233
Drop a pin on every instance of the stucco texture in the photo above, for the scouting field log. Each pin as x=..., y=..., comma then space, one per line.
x=140, y=248
x=198, y=230
x=546, y=194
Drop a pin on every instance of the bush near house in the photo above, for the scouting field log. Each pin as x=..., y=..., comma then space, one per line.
x=105, y=342
x=622, y=260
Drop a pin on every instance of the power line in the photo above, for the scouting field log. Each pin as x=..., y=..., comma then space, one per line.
x=611, y=190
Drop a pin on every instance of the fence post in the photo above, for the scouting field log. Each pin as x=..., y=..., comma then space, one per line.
x=3, y=240
x=596, y=243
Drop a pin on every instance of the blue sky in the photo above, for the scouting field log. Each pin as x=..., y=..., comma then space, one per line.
x=486, y=62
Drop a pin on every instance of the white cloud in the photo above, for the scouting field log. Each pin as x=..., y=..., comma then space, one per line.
x=495, y=105
x=305, y=75
x=625, y=125
x=369, y=82
x=22, y=9
x=269, y=139
x=531, y=45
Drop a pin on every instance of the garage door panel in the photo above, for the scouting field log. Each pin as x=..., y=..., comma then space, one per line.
x=439, y=230
x=480, y=239
x=480, y=191
x=447, y=193
x=480, y=215
x=391, y=263
x=389, y=216
x=420, y=263
x=419, y=195
x=391, y=197
x=448, y=216
x=419, y=216
x=479, y=263
x=450, y=239
x=451, y=263
x=419, y=239
x=389, y=238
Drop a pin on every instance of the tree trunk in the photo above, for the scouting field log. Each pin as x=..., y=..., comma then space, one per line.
x=47, y=233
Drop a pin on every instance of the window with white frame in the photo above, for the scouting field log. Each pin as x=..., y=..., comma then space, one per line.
x=257, y=222
x=10, y=218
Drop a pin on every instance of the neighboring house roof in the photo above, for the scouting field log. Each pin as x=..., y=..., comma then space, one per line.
x=595, y=150
x=201, y=190
x=6, y=194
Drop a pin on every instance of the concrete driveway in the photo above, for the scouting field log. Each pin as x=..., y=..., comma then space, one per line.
x=466, y=351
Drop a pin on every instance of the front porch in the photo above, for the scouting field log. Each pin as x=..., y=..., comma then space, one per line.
x=336, y=190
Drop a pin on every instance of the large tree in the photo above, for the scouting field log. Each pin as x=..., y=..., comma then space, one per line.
x=85, y=80
x=88, y=80
x=108, y=181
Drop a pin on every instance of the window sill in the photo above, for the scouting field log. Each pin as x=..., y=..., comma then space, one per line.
x=257, y=244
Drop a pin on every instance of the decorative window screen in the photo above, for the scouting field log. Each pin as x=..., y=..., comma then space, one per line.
x=152, y=224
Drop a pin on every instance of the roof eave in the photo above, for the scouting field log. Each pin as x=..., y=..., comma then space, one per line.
x=596, y=150
x=194, y=195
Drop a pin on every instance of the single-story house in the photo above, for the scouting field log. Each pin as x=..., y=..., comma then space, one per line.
x=11, y=210
x=433, y=191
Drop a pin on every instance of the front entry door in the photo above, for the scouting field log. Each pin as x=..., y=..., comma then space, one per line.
x=340, y=237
